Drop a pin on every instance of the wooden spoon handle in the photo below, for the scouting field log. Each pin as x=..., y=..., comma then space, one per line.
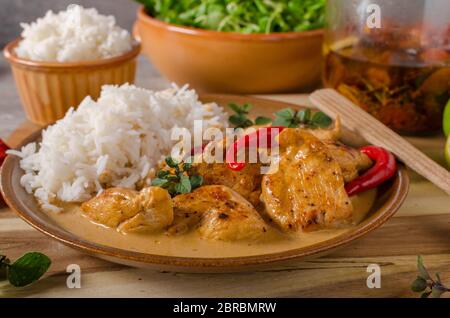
x=332, y=103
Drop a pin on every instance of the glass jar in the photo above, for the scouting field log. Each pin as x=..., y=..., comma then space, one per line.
x=392, y=58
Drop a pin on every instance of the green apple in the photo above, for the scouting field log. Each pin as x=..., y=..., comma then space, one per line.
x=446, y=120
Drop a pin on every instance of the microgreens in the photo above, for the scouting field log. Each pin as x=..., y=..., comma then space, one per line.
x=425, y=284
x=177, y=179
x=240, y=119
x=25, y=270
x=248, y=16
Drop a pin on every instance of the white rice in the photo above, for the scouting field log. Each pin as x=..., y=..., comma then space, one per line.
x=76, y=34
x=125, y=133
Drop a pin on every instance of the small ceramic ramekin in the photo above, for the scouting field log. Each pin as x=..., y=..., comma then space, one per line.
x=48, y=89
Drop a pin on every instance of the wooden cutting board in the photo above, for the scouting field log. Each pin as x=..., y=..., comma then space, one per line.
x=421, y=226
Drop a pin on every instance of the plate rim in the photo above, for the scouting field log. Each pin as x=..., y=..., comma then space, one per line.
x=395, y=199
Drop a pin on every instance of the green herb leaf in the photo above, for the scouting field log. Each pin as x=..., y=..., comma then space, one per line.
x=196, y=181
x=162, y=174
x=419, y=285
x=437, y=291
x=236, y=108
x=184, y=186
x=3, y=265
x=304, y=115
x=172, y=178
x=158, y=182
x=28, y=269
x=280, y=121
x=240, y=121
x=322, y=120
x=246, y=108
x=425, y=284
x=187, y=166
x=421, y=268
x=285, y=113
x=171, y=163
x=425, y=294
x=262, y=120
x=438, y=278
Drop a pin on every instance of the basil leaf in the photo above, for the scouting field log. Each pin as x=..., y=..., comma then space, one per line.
x=321, y=120
x=196, y=181
x=286, y=113
x=262, y=120
x=158, y=182
x=184, y=186
x=28, y=269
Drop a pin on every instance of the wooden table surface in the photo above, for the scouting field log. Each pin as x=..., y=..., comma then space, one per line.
x=420, y=227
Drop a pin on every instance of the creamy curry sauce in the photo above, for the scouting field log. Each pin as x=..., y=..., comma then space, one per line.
x=191, y=245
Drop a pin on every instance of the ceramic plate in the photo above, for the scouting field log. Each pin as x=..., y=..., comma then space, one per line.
x=389, y=198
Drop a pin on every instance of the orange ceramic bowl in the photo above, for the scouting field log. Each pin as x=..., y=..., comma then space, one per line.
x=48, y=89
x=229, y=62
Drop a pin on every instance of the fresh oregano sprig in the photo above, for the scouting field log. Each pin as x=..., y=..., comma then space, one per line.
x=303, y=118
x=425, y=284
x=177, y=179
x=25, y=270
x=240, y=119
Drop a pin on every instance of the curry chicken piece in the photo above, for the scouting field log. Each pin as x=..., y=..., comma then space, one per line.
x=127, y=210
x=350, y=160
x=246, y=182
x=218, y=213
x=307, y=190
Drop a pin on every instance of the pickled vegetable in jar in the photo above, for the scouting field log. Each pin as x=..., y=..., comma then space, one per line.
x=399, y=73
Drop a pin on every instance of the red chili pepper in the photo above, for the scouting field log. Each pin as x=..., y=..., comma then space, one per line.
x=265, y=133
x=3, y=148
x=384, y=168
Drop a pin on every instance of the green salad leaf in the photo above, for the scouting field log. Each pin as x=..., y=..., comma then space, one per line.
x=244, y=16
